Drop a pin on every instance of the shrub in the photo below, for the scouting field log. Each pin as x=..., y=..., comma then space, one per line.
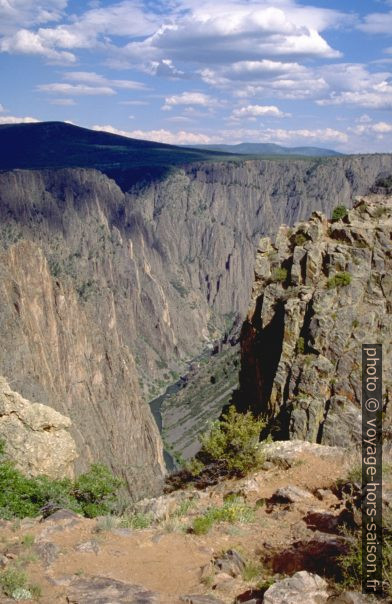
x=279, y=274
x=92, y=494
x=233, y=510
x=300, y=239
x=339, y=280
x=13, y=580
x=234, y=440
x=96, y=490
x=139, y=520
x=338, y=213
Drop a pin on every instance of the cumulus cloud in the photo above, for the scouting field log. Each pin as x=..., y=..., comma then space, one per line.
x=163, y=136
x=213, y=33
x=189, y=99
x=27, y=42
x=253, y=111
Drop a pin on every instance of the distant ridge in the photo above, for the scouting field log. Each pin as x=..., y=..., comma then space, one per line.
x=59, y=145
x=47, y=145
x=269, y=149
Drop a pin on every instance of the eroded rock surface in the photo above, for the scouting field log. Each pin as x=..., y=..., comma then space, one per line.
x=36, y=437
x=321, y=290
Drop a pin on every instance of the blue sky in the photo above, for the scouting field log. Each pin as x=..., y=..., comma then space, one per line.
x=203, y=71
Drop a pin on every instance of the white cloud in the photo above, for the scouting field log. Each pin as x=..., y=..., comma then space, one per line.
x=378, y=97
x=62, y=102
x=319, y=134
x=378, y=128
x=273, y=78
x=163, y=136
x=76, y=89
x=189, y=99
x=27, y=42
x=11, y=119
x=222, y=33
x=15, y=14
x=253, y=111
x=377, y=23
x=354, y=84
x=2, y=108
x=92, y=78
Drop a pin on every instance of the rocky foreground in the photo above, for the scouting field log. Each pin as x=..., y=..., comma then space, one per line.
x=278, y=541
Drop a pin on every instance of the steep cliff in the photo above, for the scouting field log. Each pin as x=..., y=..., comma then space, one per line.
x=321, y=290
x=106, y=294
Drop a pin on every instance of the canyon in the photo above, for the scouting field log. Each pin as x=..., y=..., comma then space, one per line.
x=107, y=292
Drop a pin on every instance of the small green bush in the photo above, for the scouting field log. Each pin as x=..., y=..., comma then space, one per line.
x=339, y=280
x=139, y=520
x=92, y=494
x=234, y=440
x=279, y=275
x=338, y=213
x=12, y=580
x=232, y=511
x=300, y=239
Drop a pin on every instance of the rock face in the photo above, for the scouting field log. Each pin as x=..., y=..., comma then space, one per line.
x=320, y=291
x=105, y=294
x=36, y=436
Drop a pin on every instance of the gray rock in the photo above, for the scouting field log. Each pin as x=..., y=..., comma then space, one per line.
x=102, y=590
x=290, y=494
x=230, y=563
x=307, y=332
x=301, y=588
x=88, y=547
x=47, y=551
x=36, y=436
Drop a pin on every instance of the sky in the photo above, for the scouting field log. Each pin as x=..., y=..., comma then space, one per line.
x=313, y=73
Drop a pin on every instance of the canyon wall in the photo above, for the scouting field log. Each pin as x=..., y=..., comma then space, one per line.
x=106, y=294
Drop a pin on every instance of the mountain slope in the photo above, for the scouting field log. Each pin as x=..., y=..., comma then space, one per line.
x=61, y=145
x=269, y=149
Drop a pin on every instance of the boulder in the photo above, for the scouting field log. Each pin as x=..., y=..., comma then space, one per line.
x=103, y=590
x=36, y=436
x=303, y=587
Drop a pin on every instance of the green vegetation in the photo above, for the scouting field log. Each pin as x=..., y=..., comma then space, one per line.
x=338, y=213
x=15, y=584
x=300, y=345
x=251, y=571
x=300, y=239
x=234, y=440
x=139, y=520
x=92, y=494
x=339, y=280
x=279, y=275
x=233, y=510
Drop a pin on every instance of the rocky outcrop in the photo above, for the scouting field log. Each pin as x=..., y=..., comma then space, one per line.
x=321, y=290
x=106, y=295
x=35, y=436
